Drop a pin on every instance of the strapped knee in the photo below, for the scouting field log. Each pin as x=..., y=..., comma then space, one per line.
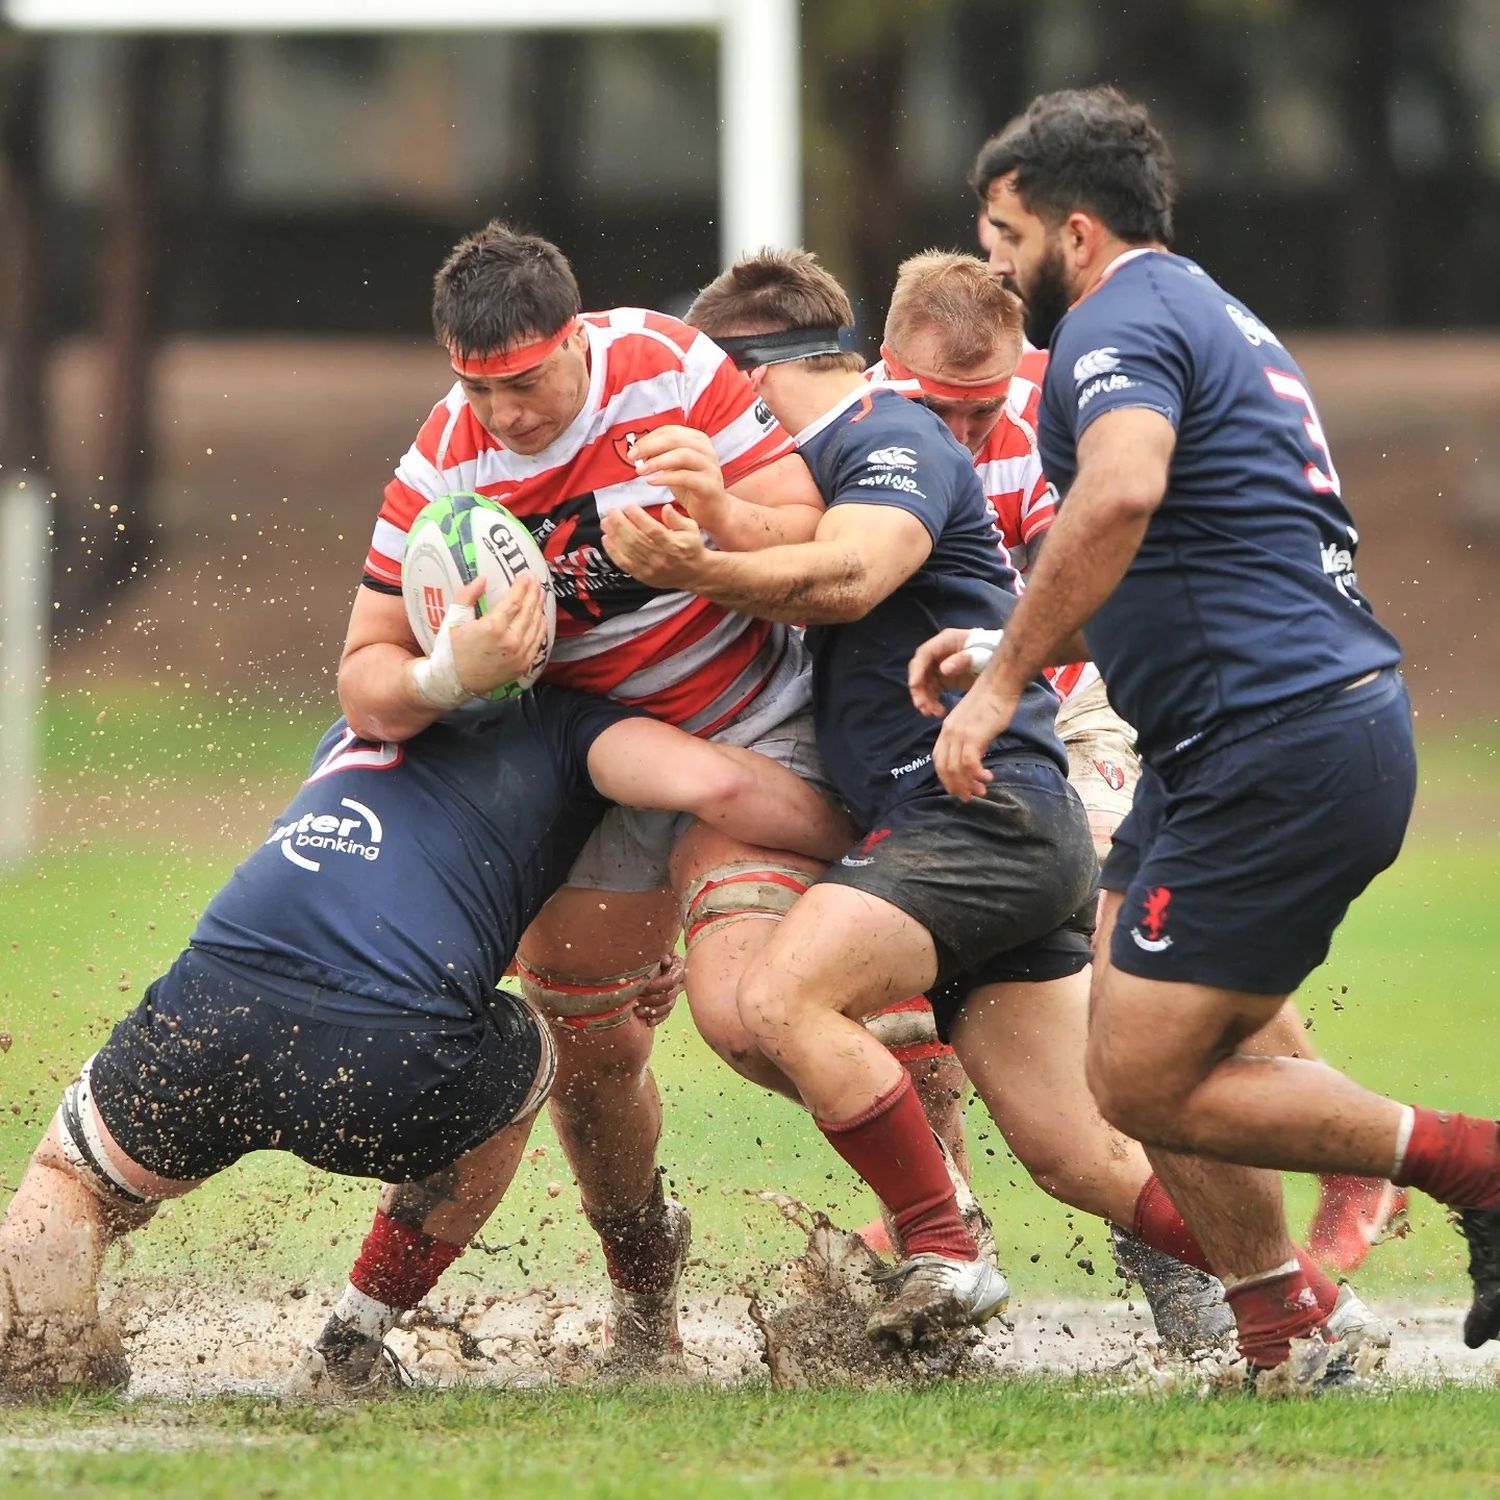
x=909, y=1029
x=737, y=893
x=85, y=1151
x=584, y=1002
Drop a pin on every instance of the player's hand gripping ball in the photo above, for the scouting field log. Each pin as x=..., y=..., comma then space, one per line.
x=456, y=540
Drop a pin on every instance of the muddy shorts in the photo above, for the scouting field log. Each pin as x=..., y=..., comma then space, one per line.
x=220, y=1059
x=1238, y=868
x=1006, y=884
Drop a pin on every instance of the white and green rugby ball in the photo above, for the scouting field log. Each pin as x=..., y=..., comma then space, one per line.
x=457, y=539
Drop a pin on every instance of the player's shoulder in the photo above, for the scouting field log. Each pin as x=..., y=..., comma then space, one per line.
x=1011, y=437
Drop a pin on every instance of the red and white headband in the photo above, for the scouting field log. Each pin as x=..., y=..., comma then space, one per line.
x=989, y=390
x=510, y=361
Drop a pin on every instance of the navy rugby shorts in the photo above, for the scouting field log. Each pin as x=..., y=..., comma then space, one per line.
x=1005, y=884
x=220, y=1059
x=1237, y=868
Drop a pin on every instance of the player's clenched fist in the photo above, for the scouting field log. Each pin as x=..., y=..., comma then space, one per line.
x=683, y=460
x=501, y=644
x=667, y=554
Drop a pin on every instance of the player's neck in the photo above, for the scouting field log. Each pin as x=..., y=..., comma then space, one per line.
x=1106, y=252
x=800, y=397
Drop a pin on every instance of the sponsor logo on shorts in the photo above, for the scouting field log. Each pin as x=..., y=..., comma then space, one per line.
x=1153, y=920
x=1113, y=775
x=1095, y=362
x=892, y=458
x=328, y=833
x=863, y=852
x=911, y=765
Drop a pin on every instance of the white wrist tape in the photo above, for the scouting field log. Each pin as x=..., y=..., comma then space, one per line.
x=981, y=646
x=435, y=677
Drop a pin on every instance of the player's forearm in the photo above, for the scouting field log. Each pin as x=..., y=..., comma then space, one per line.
x=813, y=583
x=1088, y=551
x=378, y=696
x=774, y=808
x=744, y=526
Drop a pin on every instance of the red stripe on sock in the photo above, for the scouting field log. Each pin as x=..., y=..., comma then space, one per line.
x=1455, y=1158
x=399, y=1265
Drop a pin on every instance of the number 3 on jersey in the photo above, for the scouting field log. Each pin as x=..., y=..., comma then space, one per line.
x=1326, y=480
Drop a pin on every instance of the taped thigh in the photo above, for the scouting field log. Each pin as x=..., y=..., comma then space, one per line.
x=584, y=1002
x=84, y=1147
x=739, y=892
x=908, y=1028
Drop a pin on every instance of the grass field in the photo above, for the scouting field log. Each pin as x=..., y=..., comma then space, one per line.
x=150, y=802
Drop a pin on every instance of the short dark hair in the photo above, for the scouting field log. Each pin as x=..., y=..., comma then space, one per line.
x=499, y=287
x=772, y=291
x=1089, y=149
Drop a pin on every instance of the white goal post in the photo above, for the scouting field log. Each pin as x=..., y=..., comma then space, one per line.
x=25, y=628
x=760, y=97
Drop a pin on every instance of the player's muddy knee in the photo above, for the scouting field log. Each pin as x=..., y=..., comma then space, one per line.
x=1129, y=1101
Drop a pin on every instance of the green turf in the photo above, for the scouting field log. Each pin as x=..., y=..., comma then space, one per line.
x=1404, y=1001
x=1025, y=1438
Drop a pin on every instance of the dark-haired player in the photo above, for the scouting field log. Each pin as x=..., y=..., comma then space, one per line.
x=337, y=1001
x=544, y=414
x=1204, y=547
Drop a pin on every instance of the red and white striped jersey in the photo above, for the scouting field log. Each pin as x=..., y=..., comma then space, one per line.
x=675, y=655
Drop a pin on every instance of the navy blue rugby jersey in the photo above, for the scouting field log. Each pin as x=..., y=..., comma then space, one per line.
x=1242, y=603
x=404, y=875
x=878, y=448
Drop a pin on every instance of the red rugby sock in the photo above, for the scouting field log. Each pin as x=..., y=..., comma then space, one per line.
x=1159, y=1225
x=1270, y=1312
x=399, y=1265
x=1455, y=1158
x=892, y=1147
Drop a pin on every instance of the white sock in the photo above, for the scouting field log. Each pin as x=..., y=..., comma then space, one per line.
x=1286, y=1269
x=1403, y=1137
x=364, y=1314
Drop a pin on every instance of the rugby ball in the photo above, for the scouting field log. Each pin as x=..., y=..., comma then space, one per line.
x=457, y=539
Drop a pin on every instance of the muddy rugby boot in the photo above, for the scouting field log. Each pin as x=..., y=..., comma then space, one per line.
x=1354, y=1327
x=641, y=1338
x=936, y=1293
x=1481, y=1228
x=47, y=1354
x=1353, y=1214
x=346, y=1365
x=1187, y=1305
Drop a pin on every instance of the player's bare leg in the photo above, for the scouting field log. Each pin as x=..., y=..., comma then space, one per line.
x=841, y=952
x=1236, y=1215
x=1023, y=1047
x=1353, y=1213
x=420, y=1229
x=79, y=1194
x=586, y=960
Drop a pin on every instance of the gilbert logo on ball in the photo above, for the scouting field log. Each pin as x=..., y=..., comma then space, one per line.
x=457, y=539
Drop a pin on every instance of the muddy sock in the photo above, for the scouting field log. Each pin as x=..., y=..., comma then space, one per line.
x=396, y=1268
x=1159, y=1225
x=892, y=1147
x=1270, y=1310
x=639, y=1252
x=1455, y=1158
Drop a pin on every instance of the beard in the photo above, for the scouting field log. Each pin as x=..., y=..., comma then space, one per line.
x=1046, y=299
